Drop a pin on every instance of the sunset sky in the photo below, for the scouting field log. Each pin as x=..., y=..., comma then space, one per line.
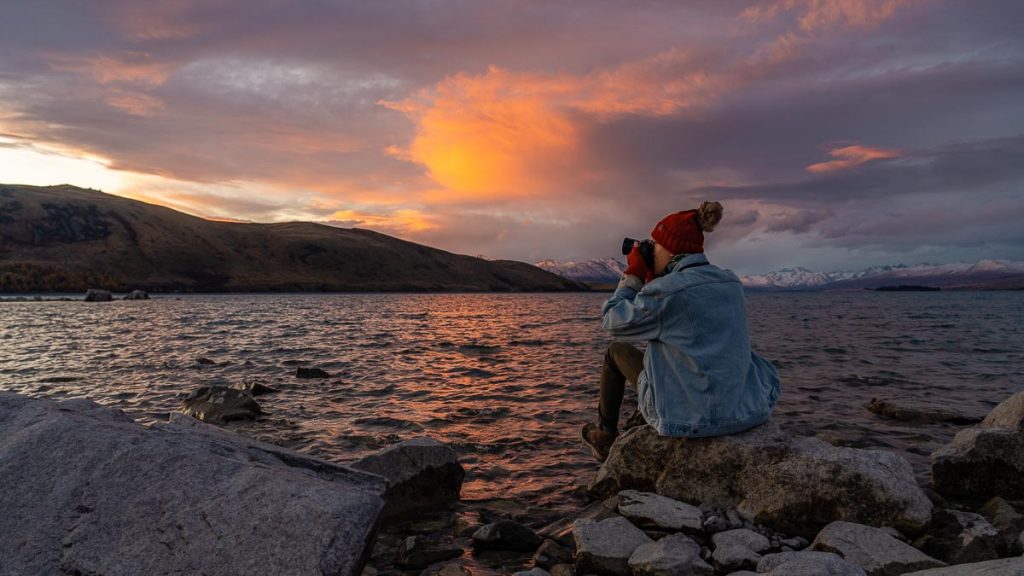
x=838, y=134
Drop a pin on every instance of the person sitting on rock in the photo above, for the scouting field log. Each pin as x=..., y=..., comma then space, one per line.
x=698, y=376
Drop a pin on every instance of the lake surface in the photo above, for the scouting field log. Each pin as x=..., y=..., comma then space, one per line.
x=507, y=379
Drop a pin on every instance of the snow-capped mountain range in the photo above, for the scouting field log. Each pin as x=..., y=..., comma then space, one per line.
x=981, y=274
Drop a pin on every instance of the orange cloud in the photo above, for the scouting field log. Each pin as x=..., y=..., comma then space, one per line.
x=814, y=15
x=505, y=133
x=403, y=221
x=851, y=156
x=136, y=68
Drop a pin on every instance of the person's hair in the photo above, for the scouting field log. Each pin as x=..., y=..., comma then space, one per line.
x=709, y=215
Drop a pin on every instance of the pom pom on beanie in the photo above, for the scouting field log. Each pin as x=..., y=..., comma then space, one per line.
x=683, y=232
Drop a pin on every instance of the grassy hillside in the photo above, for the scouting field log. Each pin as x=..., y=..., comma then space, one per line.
x=63, y=238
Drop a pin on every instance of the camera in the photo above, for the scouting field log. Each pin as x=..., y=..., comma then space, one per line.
x=646, y=250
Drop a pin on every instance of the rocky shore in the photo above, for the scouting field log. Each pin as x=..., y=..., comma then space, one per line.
x=89, y=491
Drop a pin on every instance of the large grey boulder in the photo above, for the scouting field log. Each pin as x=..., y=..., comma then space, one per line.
x=1003, y=567
x=796, y=485
x=807, y=563
x=605, y=547
x=219, y=404
x=987, y=460
x=672, y=555
x=86, y=490
x=873, y=549
x=423, y=474
x=653, y=511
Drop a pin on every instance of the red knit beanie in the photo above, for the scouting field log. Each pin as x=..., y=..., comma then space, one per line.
x=679, y=233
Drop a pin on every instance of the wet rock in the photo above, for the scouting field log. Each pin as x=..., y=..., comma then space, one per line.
x=561, y=530
x=807, y=563
x=96, y=295
x=301, y=372
x=959, y=537
x=532, y=572
x=423, y=474
x=1005, y=518
x=219, y=404
x=415, y=553
x=873, y=549
x=506, y=535
x=738, y=549
x=89, y=491
x=648, y=510
x=204, y=361
x=563, y=570
x=551, y=553
x=137, y=295
x=796, y=485
x=1004, y=567
x=987, y=460
x=916, y=412
x=673, y=554
x=254, y=388
x=605, y=547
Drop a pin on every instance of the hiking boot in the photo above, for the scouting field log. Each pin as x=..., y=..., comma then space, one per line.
x=599, y=441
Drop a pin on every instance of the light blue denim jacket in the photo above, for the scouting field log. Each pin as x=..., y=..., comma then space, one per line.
x=700, y=377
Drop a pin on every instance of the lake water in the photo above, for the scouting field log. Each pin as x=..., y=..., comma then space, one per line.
x=507, y=379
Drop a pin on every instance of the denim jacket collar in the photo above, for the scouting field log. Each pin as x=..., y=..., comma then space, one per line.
x=689, y=259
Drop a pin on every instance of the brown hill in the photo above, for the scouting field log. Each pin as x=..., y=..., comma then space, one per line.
x=64, y=238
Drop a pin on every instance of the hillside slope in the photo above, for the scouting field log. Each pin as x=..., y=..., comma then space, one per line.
x=66, y=238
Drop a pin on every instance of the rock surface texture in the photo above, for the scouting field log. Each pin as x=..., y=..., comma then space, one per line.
x=794, y=484
x=673, y=554
x=873, y=549
x=605, y=547
x=807, y=563
x=423, y=474
x=917, y=412
x=648, y=510
x=1004, y=567
x=89, y=491
x=987, y=460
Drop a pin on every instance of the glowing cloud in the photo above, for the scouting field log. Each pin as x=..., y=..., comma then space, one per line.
x=850, y=157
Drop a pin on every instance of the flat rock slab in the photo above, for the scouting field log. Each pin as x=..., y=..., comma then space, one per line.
x=873, y=549
x=649, y=510
x=672, y=554
x=1003, y=567
x=89, y=491
x=220, y=404
x=793, y=484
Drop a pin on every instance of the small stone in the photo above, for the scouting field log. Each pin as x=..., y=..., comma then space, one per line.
x=551, y=553
x=605, y=547
x=796, y=543
x=97, y=295
x=742, y=537
x=561, y=530
x=714, y=524
x=506, y=535
x=648, y=510
x=532, y=572
x=301, y=372
x=733, y=518
x=673, y=554
x=413, y=553
x=563, y=570
x=738, y=549
x=806, y=563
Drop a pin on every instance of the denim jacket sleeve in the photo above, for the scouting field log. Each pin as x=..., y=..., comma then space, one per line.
x=631, y=315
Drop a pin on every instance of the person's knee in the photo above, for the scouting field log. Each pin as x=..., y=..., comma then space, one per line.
x=618, y=350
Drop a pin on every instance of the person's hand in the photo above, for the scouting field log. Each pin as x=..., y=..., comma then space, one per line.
x=635, y=265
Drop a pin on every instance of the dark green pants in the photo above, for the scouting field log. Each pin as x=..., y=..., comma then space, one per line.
x=622, y=363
